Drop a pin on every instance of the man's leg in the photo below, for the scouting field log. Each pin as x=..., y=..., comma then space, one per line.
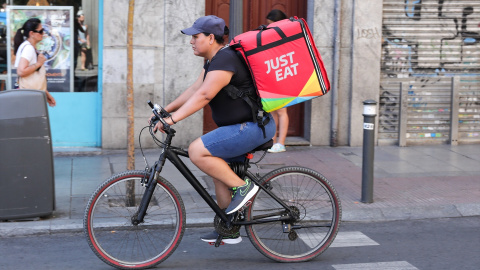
x=213, y=166
x=220, y=170
x=223, y=194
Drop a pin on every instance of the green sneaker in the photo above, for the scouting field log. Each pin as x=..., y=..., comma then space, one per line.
x=241, y=195
x=232, y=239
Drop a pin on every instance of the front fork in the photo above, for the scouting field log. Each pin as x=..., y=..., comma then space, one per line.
x=150, y=185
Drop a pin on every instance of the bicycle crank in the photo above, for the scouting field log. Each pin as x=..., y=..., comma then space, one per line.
x=222, y=228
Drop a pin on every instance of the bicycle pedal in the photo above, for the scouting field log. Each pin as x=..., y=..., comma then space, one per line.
x=213, y=243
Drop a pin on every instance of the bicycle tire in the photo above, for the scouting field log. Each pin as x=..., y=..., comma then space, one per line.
x=318, y=205
x=111, y=234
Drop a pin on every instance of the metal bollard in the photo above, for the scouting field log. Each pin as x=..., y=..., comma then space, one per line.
x=369, y=113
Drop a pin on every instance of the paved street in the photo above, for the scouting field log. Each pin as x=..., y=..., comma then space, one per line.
x=431, y=244
x=425, y=213
x=414, y=182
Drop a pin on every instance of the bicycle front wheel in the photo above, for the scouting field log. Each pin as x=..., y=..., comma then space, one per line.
x=318, y=214
x=116, y=240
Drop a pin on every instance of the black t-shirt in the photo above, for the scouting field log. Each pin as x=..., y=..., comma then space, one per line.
x=225, y=110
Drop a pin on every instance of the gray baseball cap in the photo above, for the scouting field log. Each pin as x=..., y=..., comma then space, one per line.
x=206, y=24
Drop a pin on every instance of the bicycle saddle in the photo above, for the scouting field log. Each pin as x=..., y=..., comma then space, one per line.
x=264, y=146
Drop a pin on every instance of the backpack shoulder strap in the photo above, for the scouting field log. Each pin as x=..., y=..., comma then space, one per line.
x=258, y=114
x=256, y=107
x=234, y=93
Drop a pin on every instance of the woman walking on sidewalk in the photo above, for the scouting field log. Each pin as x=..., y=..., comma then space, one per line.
x=280, y=116
x=30, y=69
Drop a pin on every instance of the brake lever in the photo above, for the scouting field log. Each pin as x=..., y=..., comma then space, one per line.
x=154, y=120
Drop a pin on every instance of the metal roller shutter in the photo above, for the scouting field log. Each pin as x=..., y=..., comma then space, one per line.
x=431, y=48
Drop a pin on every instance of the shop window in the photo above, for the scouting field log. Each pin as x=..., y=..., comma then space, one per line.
x=85, y=49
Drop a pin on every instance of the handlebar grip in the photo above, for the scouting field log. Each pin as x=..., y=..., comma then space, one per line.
x=150, y=104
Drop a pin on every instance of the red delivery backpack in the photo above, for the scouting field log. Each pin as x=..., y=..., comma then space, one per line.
x=284, y=63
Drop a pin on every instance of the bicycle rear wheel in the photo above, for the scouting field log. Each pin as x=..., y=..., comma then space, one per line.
x=312, y=197
x=109, y=229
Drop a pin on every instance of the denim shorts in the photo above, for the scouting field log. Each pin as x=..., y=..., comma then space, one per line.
x=231, y=143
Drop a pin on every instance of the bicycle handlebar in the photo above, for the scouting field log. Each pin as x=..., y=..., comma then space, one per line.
x=159, y=114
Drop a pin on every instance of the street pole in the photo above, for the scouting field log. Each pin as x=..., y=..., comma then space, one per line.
x=130, y=100
x=369, y=113
x=130, y=200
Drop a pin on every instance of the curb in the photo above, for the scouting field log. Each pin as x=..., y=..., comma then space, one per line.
x=42, y=227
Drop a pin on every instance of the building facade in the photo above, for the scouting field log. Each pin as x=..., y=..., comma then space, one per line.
x=419, y=59
x=164, y=66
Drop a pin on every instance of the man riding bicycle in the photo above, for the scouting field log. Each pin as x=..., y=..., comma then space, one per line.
x=237, y=133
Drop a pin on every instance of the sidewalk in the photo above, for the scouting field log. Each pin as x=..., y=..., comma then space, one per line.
x=414, y=182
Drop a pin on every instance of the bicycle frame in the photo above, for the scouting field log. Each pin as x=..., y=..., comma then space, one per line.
x=172, y=154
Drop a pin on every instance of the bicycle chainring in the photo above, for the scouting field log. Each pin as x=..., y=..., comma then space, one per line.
x=221, y=227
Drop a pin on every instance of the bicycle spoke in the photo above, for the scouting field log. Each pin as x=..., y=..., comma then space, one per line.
x=109, y=228
x=308, y=194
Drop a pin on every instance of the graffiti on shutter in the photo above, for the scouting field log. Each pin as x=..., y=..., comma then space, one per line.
x=426, y=43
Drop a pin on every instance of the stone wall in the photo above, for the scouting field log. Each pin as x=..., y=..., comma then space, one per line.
x=366, y=54
x=164, y=66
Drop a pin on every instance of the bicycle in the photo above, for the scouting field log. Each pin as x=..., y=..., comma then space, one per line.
x=136, y=219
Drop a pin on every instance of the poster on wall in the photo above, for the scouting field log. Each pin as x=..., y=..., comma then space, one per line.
x=57, y=45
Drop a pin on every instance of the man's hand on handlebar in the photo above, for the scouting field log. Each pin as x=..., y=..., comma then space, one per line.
x=162, y=124
x=158, y=124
